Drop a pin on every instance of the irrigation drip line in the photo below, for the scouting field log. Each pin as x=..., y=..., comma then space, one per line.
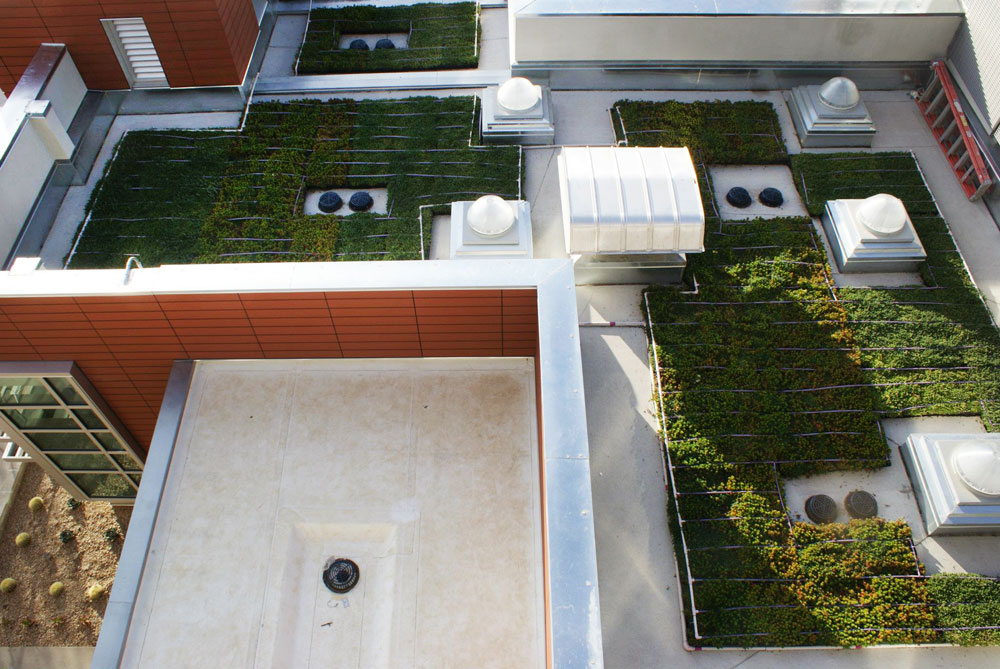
x=861, y=629
x=726, y=518
x=744, y=463
x=823, y=388
x=842, y=606
x=761, y=436
x=726, y=492
x=831, y=348
x=787, y=545
x=761, y=579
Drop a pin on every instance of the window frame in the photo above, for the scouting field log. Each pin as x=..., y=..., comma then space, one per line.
x=42, y=372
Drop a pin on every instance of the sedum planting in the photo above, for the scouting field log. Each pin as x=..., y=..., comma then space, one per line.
x=768, y=371
x=213, y=196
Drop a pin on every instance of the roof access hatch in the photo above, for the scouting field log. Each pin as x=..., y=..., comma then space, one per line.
x=630, y=200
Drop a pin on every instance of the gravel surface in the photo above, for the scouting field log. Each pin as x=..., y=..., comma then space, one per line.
x=30, y=616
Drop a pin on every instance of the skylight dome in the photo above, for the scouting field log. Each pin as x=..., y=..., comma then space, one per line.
x=840, y=93
x=883, y=214
x=978, y=466
x=490, y=216
x=518, y=94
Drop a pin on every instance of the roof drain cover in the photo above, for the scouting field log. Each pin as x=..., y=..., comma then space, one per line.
x=821, y=509
x=361, y=201
x=861, y=504
x=739, y=196
x=340, y=575
x=771, y=197
x=330, y=202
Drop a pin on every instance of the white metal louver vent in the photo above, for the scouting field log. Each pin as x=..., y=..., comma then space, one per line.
x=136, y=53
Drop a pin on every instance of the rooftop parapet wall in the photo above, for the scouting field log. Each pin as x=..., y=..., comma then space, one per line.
x=33, y=137
x=599, y=32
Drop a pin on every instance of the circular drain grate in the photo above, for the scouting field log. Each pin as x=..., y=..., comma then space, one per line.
x=771, y=197
x=358, y=45
x=341, y=575
x=330, y=202
x=861, y=504
x=821, y=509
x=738, y=196
x=385, y=43
x=361, y=201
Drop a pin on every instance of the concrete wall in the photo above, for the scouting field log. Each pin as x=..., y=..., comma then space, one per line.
x=199, y=42
x=34, y=143
x=737, y=40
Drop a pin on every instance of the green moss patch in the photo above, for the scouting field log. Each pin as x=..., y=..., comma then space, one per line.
x=441, y=37
x=211, y=196
x=717, y=133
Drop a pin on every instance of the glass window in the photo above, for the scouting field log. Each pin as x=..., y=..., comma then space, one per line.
x=97, y=461
x=103, y=485
x=126, y=462
x=66, y=390
x=90, y=419
x=24, y=390
x=42, y=418
x=46, y=410
x=62, y=441
x=108, y=441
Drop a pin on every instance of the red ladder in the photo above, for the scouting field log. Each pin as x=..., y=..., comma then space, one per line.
x=943, y=112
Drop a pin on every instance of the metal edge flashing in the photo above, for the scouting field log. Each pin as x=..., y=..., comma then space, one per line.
x=132, y=561
x=573, y=623
x=574, y=604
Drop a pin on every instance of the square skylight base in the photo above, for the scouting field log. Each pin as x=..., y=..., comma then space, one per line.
x=856, y=249
x=467, y=243
x=501, y=126
x=947, y=505
x=818, y=125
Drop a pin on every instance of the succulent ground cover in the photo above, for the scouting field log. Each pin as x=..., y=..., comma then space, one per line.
x=718, y=133
x=767, y=371
x=76, y=544
x=441, y=37
x=212, y=196
x=930, y=349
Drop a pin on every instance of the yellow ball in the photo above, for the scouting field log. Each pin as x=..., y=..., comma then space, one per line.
x=36, y=503
x=8, y=584
x=95, y=592
x=23, y=539
x=56, y=588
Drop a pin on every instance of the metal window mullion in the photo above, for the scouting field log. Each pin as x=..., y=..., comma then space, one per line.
x=109, y=425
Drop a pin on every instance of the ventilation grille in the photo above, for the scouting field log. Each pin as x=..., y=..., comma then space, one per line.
x=136, y=53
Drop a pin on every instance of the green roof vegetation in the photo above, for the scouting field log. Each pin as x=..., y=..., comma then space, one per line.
x=215, y=196
x=768, y=371
x=441, y=37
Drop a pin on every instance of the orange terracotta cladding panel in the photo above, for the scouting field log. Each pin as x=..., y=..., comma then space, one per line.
x=199, y=42
x=127, y=344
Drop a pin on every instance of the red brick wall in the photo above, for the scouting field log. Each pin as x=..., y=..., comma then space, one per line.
x=200, y=42
x=127, y=344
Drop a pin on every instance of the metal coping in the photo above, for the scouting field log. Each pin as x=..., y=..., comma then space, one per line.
x=574, y=627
